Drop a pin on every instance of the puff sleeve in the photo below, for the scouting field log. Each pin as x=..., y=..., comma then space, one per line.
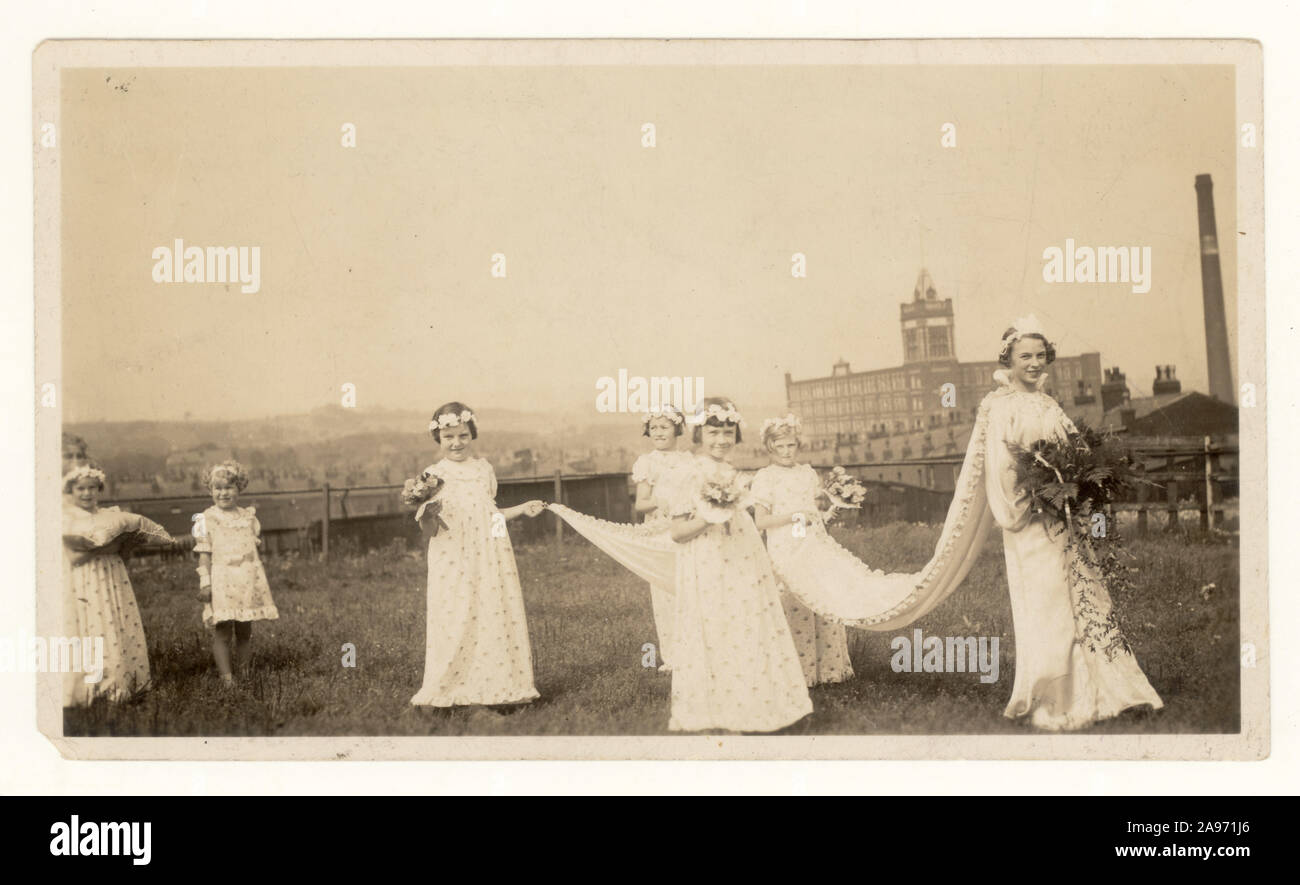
x=202, y=533
x=641, y=470
x=761, y=491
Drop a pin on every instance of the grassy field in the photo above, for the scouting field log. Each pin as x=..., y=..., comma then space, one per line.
x=588, y=619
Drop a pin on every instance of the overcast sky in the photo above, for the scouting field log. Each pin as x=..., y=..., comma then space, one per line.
x=673, y=260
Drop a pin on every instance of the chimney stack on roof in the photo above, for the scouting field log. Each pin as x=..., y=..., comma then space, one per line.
x=1165, y=382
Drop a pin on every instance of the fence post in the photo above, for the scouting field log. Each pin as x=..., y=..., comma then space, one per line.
x=559, y=499
x=325, y=522
x=1209, y=490
x=1171, y=498
x=1144, y=492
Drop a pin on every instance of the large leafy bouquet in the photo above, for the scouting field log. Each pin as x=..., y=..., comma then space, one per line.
x=1070, y=482
x=1071, y=479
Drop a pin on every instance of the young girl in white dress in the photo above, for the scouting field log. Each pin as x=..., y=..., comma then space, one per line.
x=735, y=666
x=653, y=474
x=785, y=498
x=98, y=600
x=1073, y=665
x=477, y=650
x=232, y=581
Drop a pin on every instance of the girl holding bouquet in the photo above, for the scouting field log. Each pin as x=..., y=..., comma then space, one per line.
x=476, y=650
x=653, y=474
x=98, y=601
x=785, y=496
x=735, y=666
x=1073, y=666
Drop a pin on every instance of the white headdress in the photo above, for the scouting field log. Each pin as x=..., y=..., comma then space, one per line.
x=726, y=414
x=1022, y=326
x=84, y=471
x=450, y=419
x=667, y=410
x=778, y=425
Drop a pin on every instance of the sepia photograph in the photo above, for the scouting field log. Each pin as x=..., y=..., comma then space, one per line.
x=640, y=399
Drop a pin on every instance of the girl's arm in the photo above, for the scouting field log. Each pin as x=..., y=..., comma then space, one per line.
x=528, y=508
x=685, y=528
x=645, y=500
x=765, y=520
x=205, y=576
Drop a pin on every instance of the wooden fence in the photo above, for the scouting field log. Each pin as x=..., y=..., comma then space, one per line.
x=1180, y=478
x=368, y=517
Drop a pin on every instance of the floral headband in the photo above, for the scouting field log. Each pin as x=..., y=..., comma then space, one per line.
x=668, y=411
x=450, y=419
x=84, y=471
x=726, y=414
x=779, y=425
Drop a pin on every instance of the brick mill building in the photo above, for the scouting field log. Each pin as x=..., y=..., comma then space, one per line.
x=900, y=414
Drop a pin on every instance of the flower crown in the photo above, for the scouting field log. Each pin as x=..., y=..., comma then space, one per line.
x=668, y=410
x=777, y=425
x=85, y=471
x=231, y=469
x=450, y=419
x=726, y=414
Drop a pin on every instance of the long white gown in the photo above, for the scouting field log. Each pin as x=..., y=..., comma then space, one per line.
x=736, y=667
x=477, y=649
x=1073, y=665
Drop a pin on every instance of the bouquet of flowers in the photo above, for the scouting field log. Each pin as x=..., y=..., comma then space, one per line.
x=1070, y=482
x=421, y=493
x=843, y=490
x=717, y=500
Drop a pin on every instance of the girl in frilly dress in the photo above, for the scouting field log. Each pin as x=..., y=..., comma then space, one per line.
x=232, y=581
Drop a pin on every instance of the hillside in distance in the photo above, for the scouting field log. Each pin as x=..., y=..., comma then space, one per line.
x=350, y=447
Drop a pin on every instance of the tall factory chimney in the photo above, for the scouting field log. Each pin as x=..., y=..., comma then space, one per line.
x=1216, y=325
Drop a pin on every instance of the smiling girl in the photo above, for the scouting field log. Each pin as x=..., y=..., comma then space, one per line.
x=735, y=666
x=476, y=649
x=232, y=581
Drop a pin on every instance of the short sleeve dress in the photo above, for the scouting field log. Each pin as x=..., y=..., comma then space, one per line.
x=99, y=602
x=659, y=469
x=477, y=649
x=240, y=591
x=735, y=664
x=822, y=644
